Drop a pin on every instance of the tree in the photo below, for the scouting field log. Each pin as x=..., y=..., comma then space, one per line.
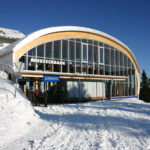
x=145, y=89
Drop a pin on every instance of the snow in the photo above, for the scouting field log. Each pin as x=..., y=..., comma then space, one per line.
x=108, y=125
x=11, y=34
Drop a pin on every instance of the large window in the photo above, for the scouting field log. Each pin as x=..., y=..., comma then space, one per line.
x=83, y=56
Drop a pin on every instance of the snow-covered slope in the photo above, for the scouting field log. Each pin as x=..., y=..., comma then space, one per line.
x=109, y=125
x=17, y=115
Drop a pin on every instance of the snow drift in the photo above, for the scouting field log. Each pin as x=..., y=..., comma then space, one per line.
x=16, y=114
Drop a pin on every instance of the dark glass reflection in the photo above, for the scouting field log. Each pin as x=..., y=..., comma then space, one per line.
x=40, y=50
x=95, y=54
x=107, y=70
x=90, y=54
x=65, y=67
x=90, y=68
x=64, y=49
x=71, y=50
x=31, y=65
x=78, y=51
x=48, y=50
x=121, y=59
x=84, y=68
x=107, y=56
x=112, y=57
x=56, y=49
x=101, y=69
x=31, y=52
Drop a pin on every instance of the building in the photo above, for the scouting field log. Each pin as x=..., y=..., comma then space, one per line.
x=8, y=36
x=74, y=63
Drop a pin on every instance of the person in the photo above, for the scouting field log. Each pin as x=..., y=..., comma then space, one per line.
x=36, y=96
x=45, y=97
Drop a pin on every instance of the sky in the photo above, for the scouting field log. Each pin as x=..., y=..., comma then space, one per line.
x=126, y=20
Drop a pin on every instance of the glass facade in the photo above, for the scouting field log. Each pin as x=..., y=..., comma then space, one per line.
x=83, y=56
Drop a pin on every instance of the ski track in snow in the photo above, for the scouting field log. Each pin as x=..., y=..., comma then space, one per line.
x=95, y=125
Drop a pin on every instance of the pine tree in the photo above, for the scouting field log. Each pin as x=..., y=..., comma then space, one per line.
x=145, y=90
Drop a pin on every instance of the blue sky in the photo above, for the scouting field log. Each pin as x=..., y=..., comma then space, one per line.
x=127, y=20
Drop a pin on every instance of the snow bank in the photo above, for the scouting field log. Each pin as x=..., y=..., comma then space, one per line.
x=16, y=114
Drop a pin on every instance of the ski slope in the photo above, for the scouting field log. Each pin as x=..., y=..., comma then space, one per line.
x=109, y=125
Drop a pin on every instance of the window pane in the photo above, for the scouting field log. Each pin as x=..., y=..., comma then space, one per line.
x=84, y=68
x=117, y=71
x=84, y=52
x=71, y=50
x=78, y=40
x=129, y=62
x=56, y=49
x=95, y=69
x=107, y=57
x=90, y=68
x=107, y=70
x=90, y=54
x=117, y=58
x=39, y=66
x=125, y=60
x=64, y=49
x=40, y=50
x=31, y=65
x=101, y=69
x=113, y=70
x=78, y=50
x=112, y=57
x=47, y=67
x=84, y=40
x=90, y=42
x=121, y=59
x=101, y=55
x=31, y=52
x=78, y=67
x=48, y=52
x=95, y=54
x=95, y=42
x=72, y=67
x=65, y=67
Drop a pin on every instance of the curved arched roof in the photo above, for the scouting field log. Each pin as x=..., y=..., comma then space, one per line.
x=18, y=44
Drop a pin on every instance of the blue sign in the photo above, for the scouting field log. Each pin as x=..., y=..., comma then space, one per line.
x=51, y=78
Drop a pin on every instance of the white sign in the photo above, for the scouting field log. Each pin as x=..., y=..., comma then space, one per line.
x=47, y=61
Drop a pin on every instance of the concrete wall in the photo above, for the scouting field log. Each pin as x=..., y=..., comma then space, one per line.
x=7, y=59
x=5, y=42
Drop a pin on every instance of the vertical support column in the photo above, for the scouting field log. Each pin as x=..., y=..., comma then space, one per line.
x=36, y=85
x=24, y=88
